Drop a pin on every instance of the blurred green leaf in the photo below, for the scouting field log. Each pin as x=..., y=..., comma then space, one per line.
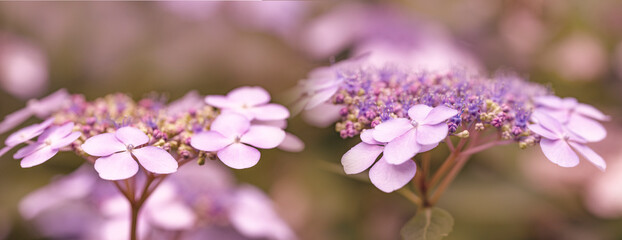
x=429, y=224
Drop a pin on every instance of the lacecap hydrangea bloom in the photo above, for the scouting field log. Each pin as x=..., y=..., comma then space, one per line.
x=123, y=138
x=402, y=113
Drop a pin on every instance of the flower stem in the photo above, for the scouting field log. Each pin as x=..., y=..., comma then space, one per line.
x=134, y=224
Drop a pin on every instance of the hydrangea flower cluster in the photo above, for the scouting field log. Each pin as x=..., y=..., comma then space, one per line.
x=401, y=113
x=124, y=139
x=195, y=203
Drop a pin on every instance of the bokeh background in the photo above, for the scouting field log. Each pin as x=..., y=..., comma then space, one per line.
x=169, y=48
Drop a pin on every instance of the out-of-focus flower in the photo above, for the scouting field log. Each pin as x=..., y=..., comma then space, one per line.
x=252, y=102
x=197, y=202
x=41, y=108
x=282, y=18
x=578, y=57
x=47, y=145
x=23, y=67
x=603, y=196
x=253, y=215
x=387, y=34
x=118, y=150
x=230, y=133
x=24, y=135
x=559, y=145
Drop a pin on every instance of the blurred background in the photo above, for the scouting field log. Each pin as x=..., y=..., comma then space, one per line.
x=572, y=46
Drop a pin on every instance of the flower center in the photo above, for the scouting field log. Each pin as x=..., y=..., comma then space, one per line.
x=237, y=139
x=565, y=136
x=130, y=147
x=414, y=123
x=48, y=142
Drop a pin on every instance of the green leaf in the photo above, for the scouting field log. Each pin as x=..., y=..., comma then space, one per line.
x=429, y=224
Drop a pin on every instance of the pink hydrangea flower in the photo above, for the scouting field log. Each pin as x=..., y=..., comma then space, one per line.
x=578, y=117
x=406, y=136
x=228, y=136
x=385, y=176
x=559, y=145
x=47, y=145
x=118, y=150
x=24, y=135
x=251, y=102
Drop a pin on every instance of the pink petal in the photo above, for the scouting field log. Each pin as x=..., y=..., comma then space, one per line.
x=209, y=141
x=38, y=157
x=559, y=152
x=419, y=112
x=323, y=115
x=388, y=177
x=536, y=128
x=239, y=156
x=230, y=125
x=548, y=101
x=49, y=104
x=27, y=133
x=250, y=96
x=156, y=160
x=4, y=150
x=367, y=136
x=270, y=112
x=27, y=150
x=425, y=148
x=590, y=155
x=219, y=101
x=103, y=145
x=440, y=114
x=291, y=143
x=14, y=119
x=56, y=132
x=592, y=112
x=282, y=123
x=402, y=148
x=173, y=216
x=263, y=136
x=321, y=96
x=360, y=157
x=131, y=136
x=589, y=129
x=431, y=134
x=546, y=121
x=117, y=166
x=66, y=140
x=392, y=128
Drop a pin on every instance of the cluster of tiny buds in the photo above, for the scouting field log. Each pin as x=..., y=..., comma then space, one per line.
x=503, y=103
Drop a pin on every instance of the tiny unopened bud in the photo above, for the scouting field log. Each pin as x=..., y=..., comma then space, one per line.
x=479, y=126
x=463, y=134
x=201, y=158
